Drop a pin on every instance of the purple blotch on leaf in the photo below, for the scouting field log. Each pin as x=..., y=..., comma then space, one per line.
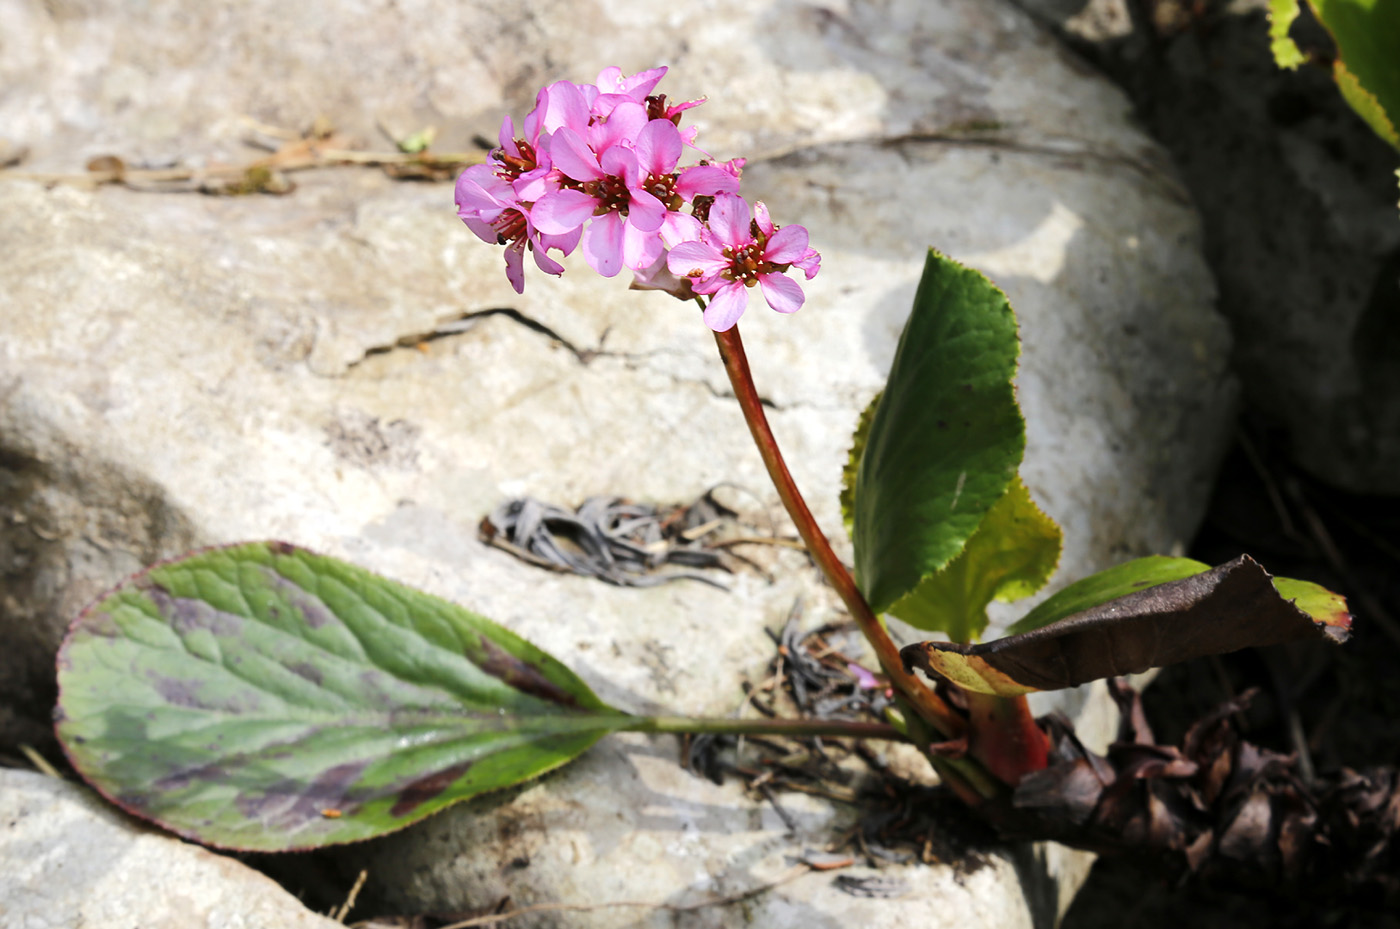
x=315, y=612
x=186, y=615
x=288, y=803
x=524, y=677
x=308, y=671
x=424, y=789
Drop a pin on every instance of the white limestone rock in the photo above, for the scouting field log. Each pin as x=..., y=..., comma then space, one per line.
x=179, y=370
x=67, y=858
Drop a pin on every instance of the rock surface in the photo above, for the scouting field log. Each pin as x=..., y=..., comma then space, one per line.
x=1298, y=199
x=333, y=367
x=67, y=858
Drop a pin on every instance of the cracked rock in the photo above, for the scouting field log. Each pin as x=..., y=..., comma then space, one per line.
x=67, y=858
x=179, y=370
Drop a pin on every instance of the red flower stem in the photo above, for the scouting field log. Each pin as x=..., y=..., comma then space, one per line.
x=920, y=697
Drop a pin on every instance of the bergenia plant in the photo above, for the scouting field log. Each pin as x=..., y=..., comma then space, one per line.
x=259, y=696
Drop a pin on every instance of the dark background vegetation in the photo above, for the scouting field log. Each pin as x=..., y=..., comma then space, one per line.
x=1203, y=83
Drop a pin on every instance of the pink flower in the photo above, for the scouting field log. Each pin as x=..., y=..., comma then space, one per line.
x=626, y=183
x=809, y=262
x=488, y=205
x=734, y=167
x=564, y=104
x=735, y=253
x=614, y=88
x=596, y=165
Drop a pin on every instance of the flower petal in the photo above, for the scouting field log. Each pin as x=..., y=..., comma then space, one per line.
x=729, y=220
x=726, y=306
x=707, y=285
x=705, y=181
x=565, y=243
x=562, y=211
x=507, y=134
x=621, y=162
x=546, y=264
x=762, y=219
x=532, y=185
x=602, y=244
x=619, y=128
x=644, y=211
x=689, y=257
x=531, y=126
x=572, y=155
x=563, y=105
x=484, y=231
x=478, y=188
x=611, y=81
x=810, y=263
x=679, y=227
x=639, y=248
x=515, y=268
x=782, y=293
x=659, y=147
x=789, y=244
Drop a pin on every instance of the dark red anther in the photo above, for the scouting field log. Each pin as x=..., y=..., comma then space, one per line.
x=509, y=226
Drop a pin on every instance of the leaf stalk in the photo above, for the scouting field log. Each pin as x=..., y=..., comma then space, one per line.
x=796, y=728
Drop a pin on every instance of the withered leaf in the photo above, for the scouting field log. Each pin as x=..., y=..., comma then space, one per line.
x=1221, y=610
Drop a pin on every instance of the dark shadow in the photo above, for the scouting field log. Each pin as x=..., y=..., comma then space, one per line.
x=1038, y=885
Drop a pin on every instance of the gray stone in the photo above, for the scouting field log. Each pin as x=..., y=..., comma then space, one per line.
x=68, y=858
x=179, y=370
x=1298, y=198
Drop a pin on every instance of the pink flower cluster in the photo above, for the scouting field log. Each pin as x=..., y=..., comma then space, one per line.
x=596, y=166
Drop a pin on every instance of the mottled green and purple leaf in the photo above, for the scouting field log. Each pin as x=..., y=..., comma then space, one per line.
x=264, y=697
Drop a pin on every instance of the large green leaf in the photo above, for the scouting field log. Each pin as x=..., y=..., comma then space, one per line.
x=263, y=697
x=1234, y=606
x=946, y=438
x=1012, y=555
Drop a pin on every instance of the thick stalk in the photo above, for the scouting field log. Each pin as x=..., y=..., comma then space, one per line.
x=796, y=728
x=919, y=696
x=1003, y=736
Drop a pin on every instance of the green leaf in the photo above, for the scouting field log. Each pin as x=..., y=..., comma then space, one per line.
x=1367, y=33
x=946, y=438
x=1119, y=581
x=1282, y=13
x=263, y=697
x=1220, y=610
x=418, y=141
x=852, y=467
x=1317, y=601
x=1012, y=555
x=1366, y=104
